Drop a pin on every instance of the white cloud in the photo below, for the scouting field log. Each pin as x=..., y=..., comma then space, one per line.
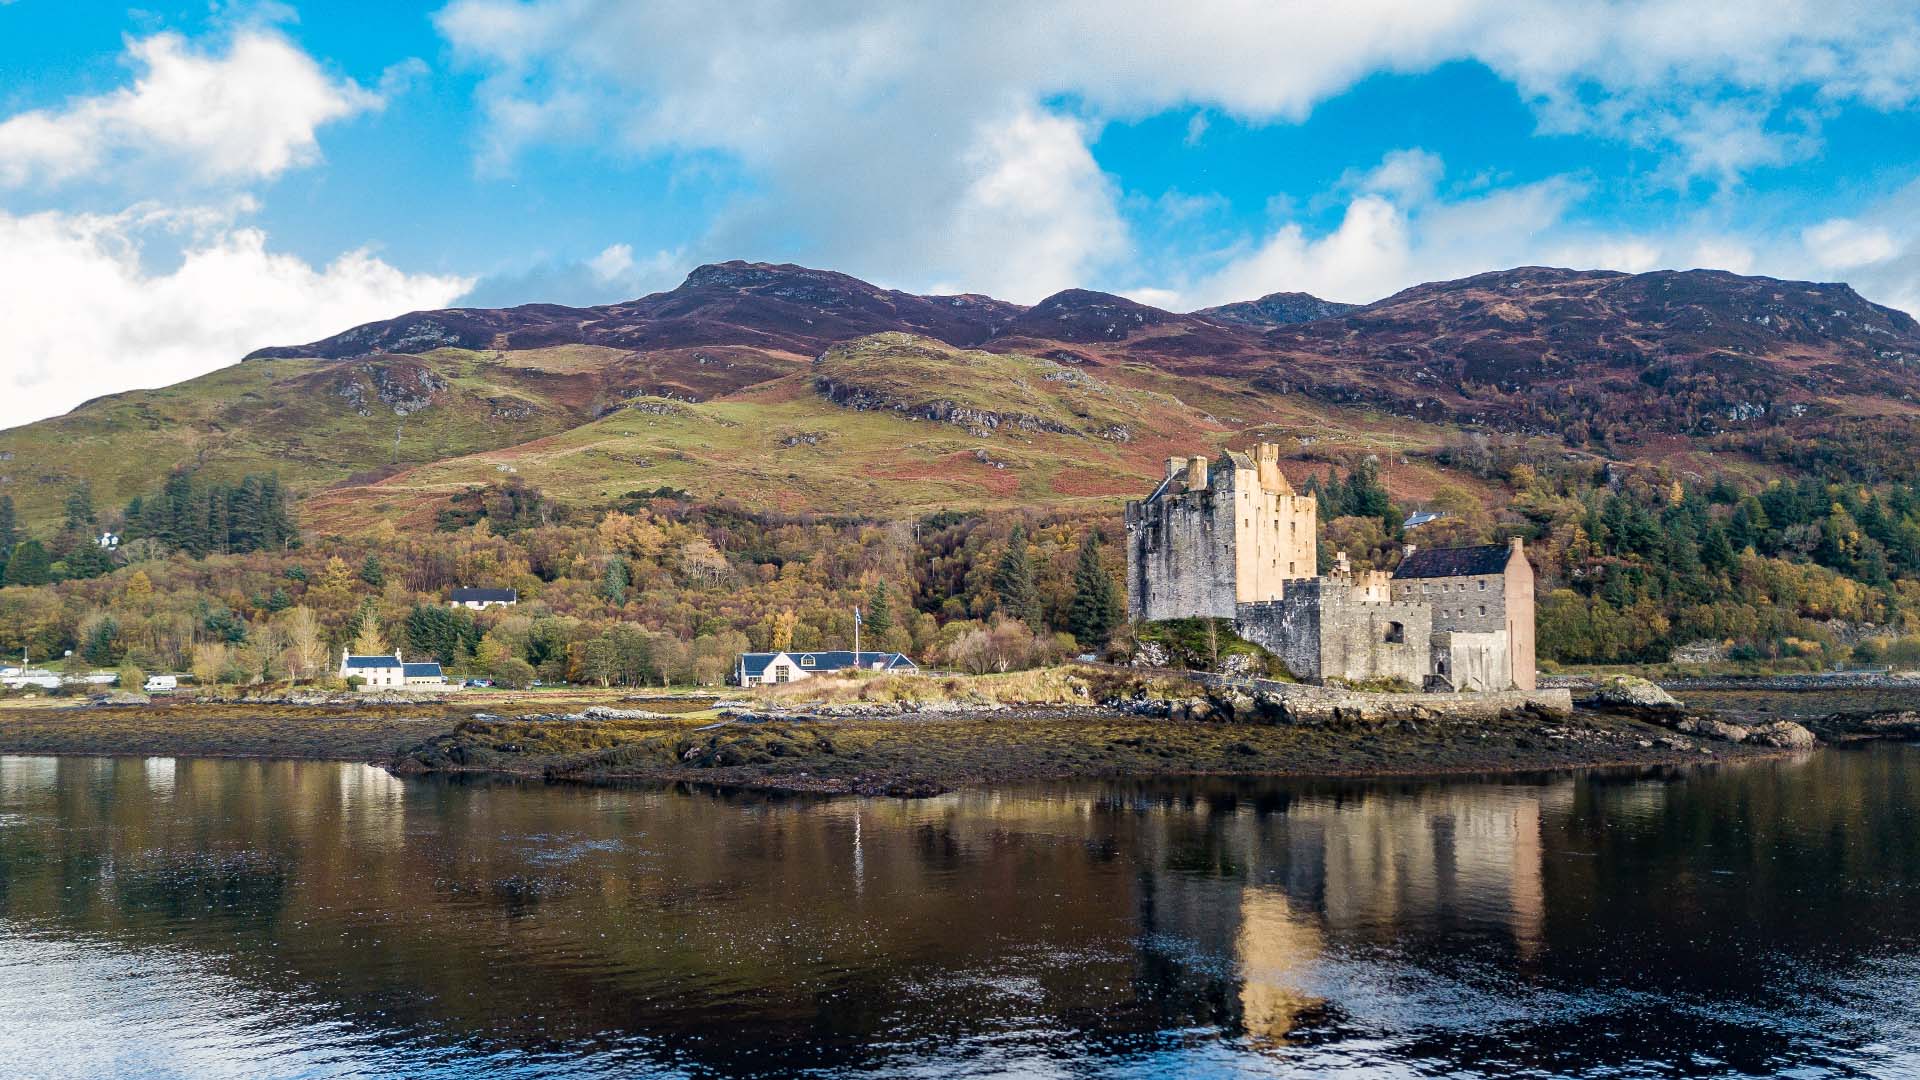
x=85, y=318
x=1408, y=175
x=1840, y=244
x=612, y=263
x=870, y=133
x=1393, y=234
x=249, y=114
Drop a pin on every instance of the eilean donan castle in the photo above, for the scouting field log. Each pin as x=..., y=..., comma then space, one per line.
x=1230, y=539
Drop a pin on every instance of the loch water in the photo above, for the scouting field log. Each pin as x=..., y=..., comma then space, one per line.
x=209, y=918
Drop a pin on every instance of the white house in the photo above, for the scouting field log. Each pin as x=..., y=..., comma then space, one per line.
x=392, y=673
x=757, y=668
x=482, y=599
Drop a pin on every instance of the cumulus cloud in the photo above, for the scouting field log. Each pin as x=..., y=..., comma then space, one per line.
x=1396, y=231
x=85, y=317
x=247, y=114
x=1840, y=244
x=874, y=136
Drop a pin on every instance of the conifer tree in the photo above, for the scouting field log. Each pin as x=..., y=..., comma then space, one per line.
x=879, y=616
x=9, y=527
x=1095, y=609
x=614, y=583
x=373, y=573
x=79, y=508
x=29, y=564
x=1013, y=581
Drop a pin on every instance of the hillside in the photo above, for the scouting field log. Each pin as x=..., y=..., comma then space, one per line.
x=814, y=390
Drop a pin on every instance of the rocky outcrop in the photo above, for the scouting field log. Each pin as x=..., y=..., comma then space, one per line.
x=1277, y=309
x=978, y=422
x=1632, y=694
x=1266, y=702
x=1784, y=734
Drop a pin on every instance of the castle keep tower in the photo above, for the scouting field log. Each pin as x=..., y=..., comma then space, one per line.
x=1215, y=535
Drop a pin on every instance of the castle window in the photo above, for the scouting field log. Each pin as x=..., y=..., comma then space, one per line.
x=1289, y=569
x=1483, y=584
x=1483, y=609
x=1396, y=633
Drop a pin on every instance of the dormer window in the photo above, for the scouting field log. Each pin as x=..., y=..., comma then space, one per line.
x=806, y=661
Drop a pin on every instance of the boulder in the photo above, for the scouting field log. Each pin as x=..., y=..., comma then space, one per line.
x=1784, y=734
x=1240, y=666
x=1631, y=692
x=124, y=697
x=1150, y=654
x=1707, y=727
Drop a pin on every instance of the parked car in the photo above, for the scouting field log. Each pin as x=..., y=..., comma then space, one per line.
x=480, y=683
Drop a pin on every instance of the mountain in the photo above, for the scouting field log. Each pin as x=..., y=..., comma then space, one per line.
x=812, y=390
x=779, y=307
x=1277, y=309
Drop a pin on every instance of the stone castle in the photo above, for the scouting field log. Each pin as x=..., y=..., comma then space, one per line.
x=1230, y=539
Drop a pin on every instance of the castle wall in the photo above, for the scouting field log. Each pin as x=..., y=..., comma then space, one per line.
x=1180, y=561
x=1288, y=628
x=1472, y=661
x=1322, y=631
x=1518, y=590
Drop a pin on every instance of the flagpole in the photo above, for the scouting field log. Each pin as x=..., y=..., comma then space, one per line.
x=856, y=635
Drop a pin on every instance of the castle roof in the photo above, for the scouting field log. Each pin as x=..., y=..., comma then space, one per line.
x=1454, y=562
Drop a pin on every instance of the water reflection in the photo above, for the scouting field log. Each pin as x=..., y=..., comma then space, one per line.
x=199, y=917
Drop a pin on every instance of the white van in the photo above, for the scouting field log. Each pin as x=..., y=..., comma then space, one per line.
x=162, y=684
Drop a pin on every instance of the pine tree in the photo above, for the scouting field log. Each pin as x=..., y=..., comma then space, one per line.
x=614, y=583
x=879, y=612
x=9, y=528
x=1013, y=581
x=1095, y=609
x=373, y=573
x=29, y=564
x=80, y=513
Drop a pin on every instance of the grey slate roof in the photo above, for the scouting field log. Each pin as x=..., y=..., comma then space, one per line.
x=1454, y=562
x=372, y=662
x=422, y=671
x=490, y=596
x=754, y=664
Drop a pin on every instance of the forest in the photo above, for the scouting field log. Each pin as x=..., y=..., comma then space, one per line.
x=1633, y=566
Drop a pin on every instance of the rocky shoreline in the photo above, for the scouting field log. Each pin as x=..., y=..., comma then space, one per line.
x=1216, y=727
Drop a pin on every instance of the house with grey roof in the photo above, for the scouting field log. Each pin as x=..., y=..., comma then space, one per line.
x=482, y=599
x=391, y=672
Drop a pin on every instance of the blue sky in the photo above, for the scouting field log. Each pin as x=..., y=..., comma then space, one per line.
x=179, y=184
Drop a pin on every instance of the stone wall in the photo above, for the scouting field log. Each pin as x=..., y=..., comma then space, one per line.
x=1472, y=661
x=1321, y=632
x=1180, y=561
x=1216, y=534
x=1322, y=704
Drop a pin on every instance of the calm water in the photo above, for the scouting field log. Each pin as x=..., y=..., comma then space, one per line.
x=220, y=918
